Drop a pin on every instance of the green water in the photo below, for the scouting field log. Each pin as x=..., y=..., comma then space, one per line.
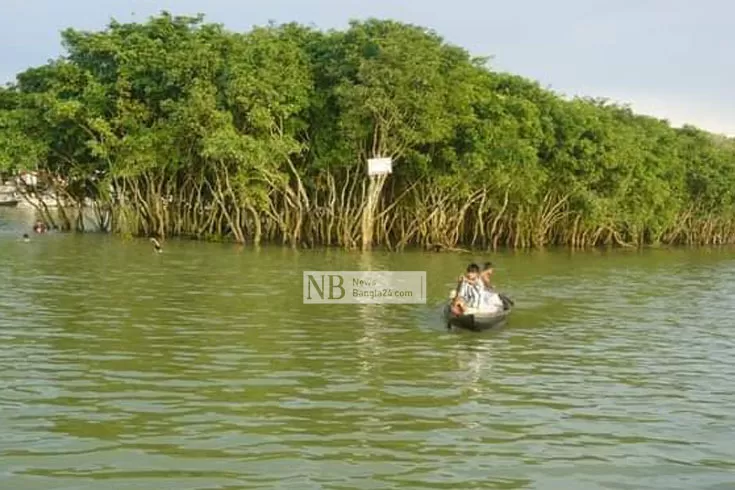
x=200, y=368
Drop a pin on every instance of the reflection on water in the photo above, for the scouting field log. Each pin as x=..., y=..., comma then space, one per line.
x=369, y=344
x=200, y=368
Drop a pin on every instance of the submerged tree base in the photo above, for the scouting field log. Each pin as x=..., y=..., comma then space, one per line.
x=436, y=231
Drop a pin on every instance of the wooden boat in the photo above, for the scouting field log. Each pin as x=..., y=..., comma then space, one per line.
x=479, y=321
x=9, y=203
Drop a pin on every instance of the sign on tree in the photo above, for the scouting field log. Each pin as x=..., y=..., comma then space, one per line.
x=380, y=166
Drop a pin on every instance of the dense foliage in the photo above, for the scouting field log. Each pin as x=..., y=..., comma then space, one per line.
x=179, y=127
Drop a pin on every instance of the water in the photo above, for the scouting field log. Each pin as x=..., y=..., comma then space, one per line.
x=200, y=368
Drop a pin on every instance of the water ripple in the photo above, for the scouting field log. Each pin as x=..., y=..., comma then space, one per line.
x=200, y=368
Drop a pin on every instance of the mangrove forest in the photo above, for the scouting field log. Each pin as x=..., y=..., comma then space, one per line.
x=180, y=127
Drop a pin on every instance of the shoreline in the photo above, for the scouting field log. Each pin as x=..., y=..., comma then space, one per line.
x=379, y=249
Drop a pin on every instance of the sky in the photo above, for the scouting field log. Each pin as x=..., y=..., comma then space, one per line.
x=672, y=59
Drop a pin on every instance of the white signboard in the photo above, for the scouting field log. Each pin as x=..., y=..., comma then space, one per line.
x=379, y=166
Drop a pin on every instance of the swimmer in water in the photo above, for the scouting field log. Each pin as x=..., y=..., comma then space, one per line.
x=156, y=245
x=26, y=238
x=39, y=227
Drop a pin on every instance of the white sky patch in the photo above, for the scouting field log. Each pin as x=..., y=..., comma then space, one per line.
x=680, y=110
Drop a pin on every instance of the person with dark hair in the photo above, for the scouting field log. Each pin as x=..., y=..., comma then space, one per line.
x=156, y=245
x=26, y=238
x=472, y=271
x=487, y=271
x=39, y=227
x=490, y=300
x=469, y=289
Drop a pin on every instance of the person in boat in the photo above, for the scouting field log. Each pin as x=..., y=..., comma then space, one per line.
x=457, y=305
x=476, y=292
x=470, y=287
x=469, y=290
x=490, y=299
x=487, y=271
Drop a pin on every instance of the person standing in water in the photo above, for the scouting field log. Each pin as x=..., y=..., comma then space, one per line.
x=156, y=245
x=39, y=227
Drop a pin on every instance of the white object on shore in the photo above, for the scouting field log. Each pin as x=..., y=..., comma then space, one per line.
x=28, y=178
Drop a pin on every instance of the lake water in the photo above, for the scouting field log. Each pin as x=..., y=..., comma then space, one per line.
x=201, y=368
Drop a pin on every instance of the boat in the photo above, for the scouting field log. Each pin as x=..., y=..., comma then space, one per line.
x=9, y=203
x=478, y=320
